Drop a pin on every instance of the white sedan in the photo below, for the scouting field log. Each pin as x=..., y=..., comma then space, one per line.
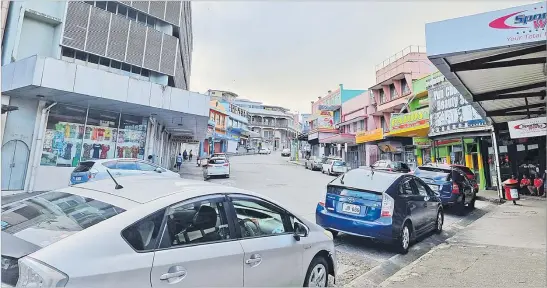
x=216, y=166
x=160, y=232
x=334, y=167
x=264, y=151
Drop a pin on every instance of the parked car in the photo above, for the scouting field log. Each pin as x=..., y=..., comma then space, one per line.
x=388, y=165
x=315, y=162
x=334, y=166
x=216, y=166
x=91, y=170
x=451, y=183
x=160, y=231
x=264, y=151
x=387, y=206
x=470, y=175
x=286, y=152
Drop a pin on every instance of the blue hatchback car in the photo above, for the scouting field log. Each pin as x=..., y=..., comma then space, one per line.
x=386, y=206
x=451, y=184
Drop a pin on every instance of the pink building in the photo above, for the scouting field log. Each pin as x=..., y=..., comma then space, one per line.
x=391, y=93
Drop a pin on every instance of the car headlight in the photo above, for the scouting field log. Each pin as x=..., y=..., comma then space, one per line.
x=33, y=273
x=328, y=234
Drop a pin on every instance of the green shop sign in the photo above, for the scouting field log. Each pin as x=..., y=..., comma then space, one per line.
x=421, y=142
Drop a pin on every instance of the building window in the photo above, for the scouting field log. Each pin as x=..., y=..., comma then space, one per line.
x=101, y=4
x=354, y=127
x=112, y=7
x=393, y=91
x=81, y=56
x=122, y=10
x=382, y=96
x=93, y=59
x=67, y=52
x=383, y=124
x=404, y=87
x=104, y=62
x=132, y=14
x=362, y=125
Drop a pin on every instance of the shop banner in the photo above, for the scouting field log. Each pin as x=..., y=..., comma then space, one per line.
x=528, y=127
x=411, y=121
x=512, y=26
x=325, y=120
x=313, y=136
x=328, y=107
x=390, y=147
x=367, y=136
x=421, y=142
x=450, y=112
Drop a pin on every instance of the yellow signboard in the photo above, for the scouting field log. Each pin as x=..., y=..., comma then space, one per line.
x=367, y=136
x=410, y=123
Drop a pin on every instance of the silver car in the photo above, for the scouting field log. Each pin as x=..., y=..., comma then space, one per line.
x=156, y=232
x=92, y=170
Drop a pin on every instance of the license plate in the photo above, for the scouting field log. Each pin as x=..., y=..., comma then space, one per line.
x=350, y=208
x=78, y=178
x=434, y=187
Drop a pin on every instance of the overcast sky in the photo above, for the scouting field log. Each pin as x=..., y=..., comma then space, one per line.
x=288, y=53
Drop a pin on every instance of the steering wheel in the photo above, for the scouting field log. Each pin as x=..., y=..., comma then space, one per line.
x=249, y=228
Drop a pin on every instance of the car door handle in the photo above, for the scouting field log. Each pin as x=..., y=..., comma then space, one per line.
x=254, y=260
x=173, y=275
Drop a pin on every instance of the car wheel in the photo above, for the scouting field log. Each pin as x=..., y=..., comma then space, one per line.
x=318, y=273
x=333, y=232
x=440, y=221
x=306, y=166
x=227, y=175
x=403, y=241
x=460, y=207
x=471, y=204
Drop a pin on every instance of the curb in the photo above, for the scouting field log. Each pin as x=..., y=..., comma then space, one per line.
x=377, y=275
x=295, y=163
x=495, y=201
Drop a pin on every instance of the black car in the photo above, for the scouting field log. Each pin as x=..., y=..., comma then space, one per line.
x=386, y=206
x=388, y=165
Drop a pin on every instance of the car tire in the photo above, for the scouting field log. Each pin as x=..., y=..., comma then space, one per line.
x=460, y=207
x=227, y=176
x=306, y=166
x=471, y=204
x=439, y=222
x=318, y=273
x=403, y=241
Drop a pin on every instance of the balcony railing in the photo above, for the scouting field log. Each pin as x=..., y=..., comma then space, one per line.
x=270, y=124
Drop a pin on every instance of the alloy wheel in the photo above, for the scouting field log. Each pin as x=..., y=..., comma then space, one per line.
x=405, y=239
x=318, y=277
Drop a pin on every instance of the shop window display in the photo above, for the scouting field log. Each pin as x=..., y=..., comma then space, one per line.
x=63, y=136
x=69, y=138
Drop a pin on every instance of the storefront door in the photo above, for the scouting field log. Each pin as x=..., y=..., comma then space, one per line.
x=15, y=154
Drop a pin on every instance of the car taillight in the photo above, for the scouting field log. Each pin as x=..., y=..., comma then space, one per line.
x=226, y=164
x=387, y=206
x=389, y=169
x=321, y=203
x=455, y=189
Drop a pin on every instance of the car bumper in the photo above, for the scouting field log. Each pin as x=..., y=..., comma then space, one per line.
x=218, y=172
x=382, y=229
x=451, y=200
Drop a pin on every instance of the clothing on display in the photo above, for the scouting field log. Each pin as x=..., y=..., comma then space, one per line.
x=68, y=151
x=88, y=132
x=96, y=150
x=104, y=151
x=120, y=152
x=87, y=151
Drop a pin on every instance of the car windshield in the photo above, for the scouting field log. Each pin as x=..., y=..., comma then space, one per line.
x=366, y=179
x=49, y=217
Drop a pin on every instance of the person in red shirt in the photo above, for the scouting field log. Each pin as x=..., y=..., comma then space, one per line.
x=535, y=189
x=524, y=183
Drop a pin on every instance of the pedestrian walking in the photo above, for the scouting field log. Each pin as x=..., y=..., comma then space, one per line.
x=190, y=155
x=179, y=162
x=184, y=155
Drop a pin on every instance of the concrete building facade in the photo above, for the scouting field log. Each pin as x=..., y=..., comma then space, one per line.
x=95, y=80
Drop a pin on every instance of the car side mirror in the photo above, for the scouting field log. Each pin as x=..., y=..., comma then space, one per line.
x=300, y=231
x=158, y=170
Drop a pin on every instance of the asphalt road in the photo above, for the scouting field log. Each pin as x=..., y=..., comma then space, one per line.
x=299, y=190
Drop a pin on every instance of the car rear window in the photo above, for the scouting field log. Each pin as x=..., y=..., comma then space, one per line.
x=339, y=163
x=84, y=166
x=49, y=217
x=217, y=161
x=366, y=179
x=431, y=172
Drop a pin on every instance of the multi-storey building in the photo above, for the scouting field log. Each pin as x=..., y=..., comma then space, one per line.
x=392, y=91
x=95, y=80
x=274, y=124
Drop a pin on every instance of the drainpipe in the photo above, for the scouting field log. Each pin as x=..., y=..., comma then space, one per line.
x=37, y=155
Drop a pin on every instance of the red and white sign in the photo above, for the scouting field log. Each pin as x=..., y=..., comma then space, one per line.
x=528, y=128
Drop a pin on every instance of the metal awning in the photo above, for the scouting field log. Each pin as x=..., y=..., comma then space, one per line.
x=500, y=68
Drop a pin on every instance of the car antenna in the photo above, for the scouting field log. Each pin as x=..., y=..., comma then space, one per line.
x=118, y=186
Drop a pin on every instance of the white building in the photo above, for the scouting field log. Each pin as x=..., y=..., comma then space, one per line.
x=95, y=79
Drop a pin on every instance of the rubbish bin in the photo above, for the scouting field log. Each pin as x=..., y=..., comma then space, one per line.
x=511, y=188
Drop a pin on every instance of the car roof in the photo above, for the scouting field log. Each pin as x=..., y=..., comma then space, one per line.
x=112, y=159
x=143, y=188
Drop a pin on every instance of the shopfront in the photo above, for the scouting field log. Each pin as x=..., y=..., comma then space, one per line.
x=423, y=150
x=411, y=124
x=75, y=134
x=370, y=139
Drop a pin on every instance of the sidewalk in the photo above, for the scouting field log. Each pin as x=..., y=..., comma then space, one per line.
x=505, y=248
x=190, y=170
x=300, y=162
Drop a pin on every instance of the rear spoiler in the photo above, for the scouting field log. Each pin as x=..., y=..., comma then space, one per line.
x=354, y=188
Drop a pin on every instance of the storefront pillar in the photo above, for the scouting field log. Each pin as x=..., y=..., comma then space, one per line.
x=151, y=138
x=497, y=163
x=36, y=148
x=161, y=149
x=482, y=175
